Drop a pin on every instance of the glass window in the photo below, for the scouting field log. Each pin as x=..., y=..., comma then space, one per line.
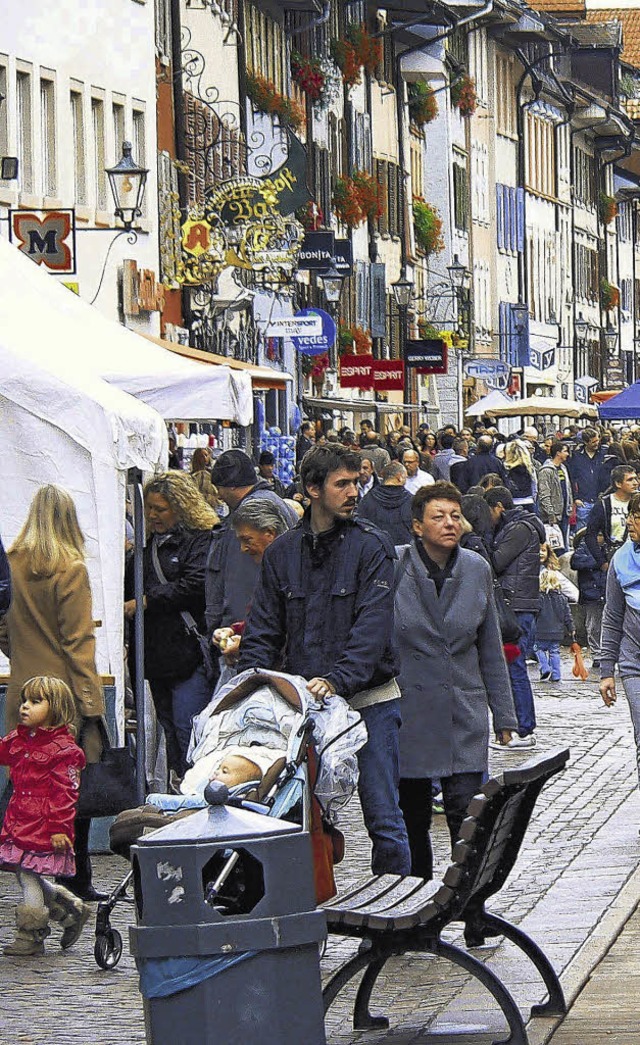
x=24, y=131
x=99, y=158
x=48, y=137
x=79, y=157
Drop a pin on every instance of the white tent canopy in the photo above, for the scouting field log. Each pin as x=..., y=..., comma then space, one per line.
x=487, y=403
x=81, y=338
x=541, y=406
x=63, y=424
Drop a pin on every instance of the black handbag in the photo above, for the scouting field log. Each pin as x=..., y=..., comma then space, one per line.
x=510, y=630
x=108, y=787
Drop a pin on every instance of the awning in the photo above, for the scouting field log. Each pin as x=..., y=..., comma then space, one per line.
x=363, y=406
x=263, y=378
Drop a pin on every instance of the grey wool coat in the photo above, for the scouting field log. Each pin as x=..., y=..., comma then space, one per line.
x=452, y=666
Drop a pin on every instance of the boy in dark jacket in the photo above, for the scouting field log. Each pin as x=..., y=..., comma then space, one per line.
x=554, y=619
x=592, y=583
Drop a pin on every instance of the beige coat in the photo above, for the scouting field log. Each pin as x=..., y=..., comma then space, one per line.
x=50, y=632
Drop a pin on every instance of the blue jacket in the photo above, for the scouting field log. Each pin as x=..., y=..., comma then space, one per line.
x=554, y=617
x=335, y=622
x=5, y=581
x=588, y=475
x=480, y=464
x=389, y=508
x=592, y=581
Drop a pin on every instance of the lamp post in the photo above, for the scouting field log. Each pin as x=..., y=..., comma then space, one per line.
x=332, y=280
x=610, y=335
x=128, y=181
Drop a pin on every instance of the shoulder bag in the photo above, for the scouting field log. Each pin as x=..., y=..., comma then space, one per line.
x=108, y=787
x=510, y=630
x=208, y=662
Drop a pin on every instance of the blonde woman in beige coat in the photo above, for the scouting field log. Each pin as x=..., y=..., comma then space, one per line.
x=49, y=630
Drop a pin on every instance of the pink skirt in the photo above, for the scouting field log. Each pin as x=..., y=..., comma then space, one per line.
x=13, y=857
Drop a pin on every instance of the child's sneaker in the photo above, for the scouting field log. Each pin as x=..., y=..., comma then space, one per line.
x=545, y=676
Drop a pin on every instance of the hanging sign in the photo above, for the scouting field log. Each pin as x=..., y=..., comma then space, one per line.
x=356, y=371
x=541, y=358
x=316, y=344
x=294, y=326
x=316, y=250
x=486, y=368
x=289, y=182
x=388, y=375
x=427, y=355
x=46, y=236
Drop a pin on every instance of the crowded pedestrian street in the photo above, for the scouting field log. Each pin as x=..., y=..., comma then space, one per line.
x=575, y=885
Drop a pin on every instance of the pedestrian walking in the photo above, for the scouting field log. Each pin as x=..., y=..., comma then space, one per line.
x=416, y=476
x=388, y=505
x=592, y=582
x=516, y=561
x=323, y=609
x=179, y=525
x=554, y=620
x=620, y=640
x=554, y=491
x=50, y=631
x=520, y=471
x=608, y=517
x=589, y=477
x=452, y=669
x=37, y=835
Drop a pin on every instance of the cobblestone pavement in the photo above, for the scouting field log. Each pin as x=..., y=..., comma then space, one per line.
x=574, y=885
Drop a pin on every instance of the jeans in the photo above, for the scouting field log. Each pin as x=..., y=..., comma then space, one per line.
x=631, y=688
x=593, y=626
x=379, y=765
x=520, y=685
x=416, y=805
x=548, y=654
x=176, y=705
x=582, y=514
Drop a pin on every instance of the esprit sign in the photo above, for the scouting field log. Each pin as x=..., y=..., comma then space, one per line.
x=388, y=375
x=356, y=371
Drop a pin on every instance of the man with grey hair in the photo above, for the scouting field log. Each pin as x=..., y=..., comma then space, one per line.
x=416, y=477
x=482, y=463
x=388, y=506
x=257, y=522
x=530, y=436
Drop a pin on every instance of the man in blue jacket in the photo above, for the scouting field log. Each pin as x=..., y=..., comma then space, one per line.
x=323, y=608
x=588, y=475
x=5, y=581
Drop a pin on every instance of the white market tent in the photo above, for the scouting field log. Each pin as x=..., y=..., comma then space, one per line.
x=487, y=404
x=61, y=423
x=83, y=339
x=542, y=406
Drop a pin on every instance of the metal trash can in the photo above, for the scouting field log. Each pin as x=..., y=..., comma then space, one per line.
x=227, y=935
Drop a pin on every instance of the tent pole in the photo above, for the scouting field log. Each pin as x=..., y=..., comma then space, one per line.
x=138, y=580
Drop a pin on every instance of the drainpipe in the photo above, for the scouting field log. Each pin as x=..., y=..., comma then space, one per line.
x=179, y=132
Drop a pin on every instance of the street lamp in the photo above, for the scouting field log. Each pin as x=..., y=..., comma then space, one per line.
x=458, y=273
x=402, y=290
x=127, y=180
x=519, y=311
x=332, y=281
x=581, y=327
x=611, y=339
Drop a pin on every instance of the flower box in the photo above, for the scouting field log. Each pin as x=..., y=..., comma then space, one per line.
x=463, y=95
x=267, y=99
x=357, y=199
x=427, y=225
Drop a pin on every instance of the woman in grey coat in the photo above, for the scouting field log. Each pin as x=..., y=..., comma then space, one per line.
x=452, y=669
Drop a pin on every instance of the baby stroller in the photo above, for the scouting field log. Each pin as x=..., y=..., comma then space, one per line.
x=312, y=776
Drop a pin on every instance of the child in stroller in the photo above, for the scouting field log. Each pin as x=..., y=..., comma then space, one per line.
x=305, y=756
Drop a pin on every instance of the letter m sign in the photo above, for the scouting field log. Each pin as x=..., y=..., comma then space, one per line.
x=46, y=236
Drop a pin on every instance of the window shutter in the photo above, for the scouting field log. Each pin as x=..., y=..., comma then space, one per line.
x=383, y=180
x=520, y=233
x=499, y=215
x=513, y=219
x=378, y=300
x=502, y=330
x=393, y=198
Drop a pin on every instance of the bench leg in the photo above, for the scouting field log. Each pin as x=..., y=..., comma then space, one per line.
x=556, y=1005
x=518, y=1034
x=362, y=1018
x=346, y=972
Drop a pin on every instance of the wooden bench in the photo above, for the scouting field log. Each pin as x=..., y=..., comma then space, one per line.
x=394, y=915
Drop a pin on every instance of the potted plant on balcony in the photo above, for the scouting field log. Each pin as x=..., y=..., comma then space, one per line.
x=267, y=99
x=609, y=295
x=357, y=198
x=608, y=208
x=423, y=107
x=353, y=339
x=463, y=95
x=359, y=49
x=427, y=225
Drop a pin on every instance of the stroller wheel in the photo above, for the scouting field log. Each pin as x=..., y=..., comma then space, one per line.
x=107, y=950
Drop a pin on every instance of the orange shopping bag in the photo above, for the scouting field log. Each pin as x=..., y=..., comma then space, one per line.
x=578, y=669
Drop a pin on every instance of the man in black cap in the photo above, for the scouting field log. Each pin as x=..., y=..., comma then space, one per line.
x=266, y=465
x=231, y=576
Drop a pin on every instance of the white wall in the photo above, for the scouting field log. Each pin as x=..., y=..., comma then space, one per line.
x=104, y=51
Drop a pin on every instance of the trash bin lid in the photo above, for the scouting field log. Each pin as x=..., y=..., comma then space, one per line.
x=218, y=823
